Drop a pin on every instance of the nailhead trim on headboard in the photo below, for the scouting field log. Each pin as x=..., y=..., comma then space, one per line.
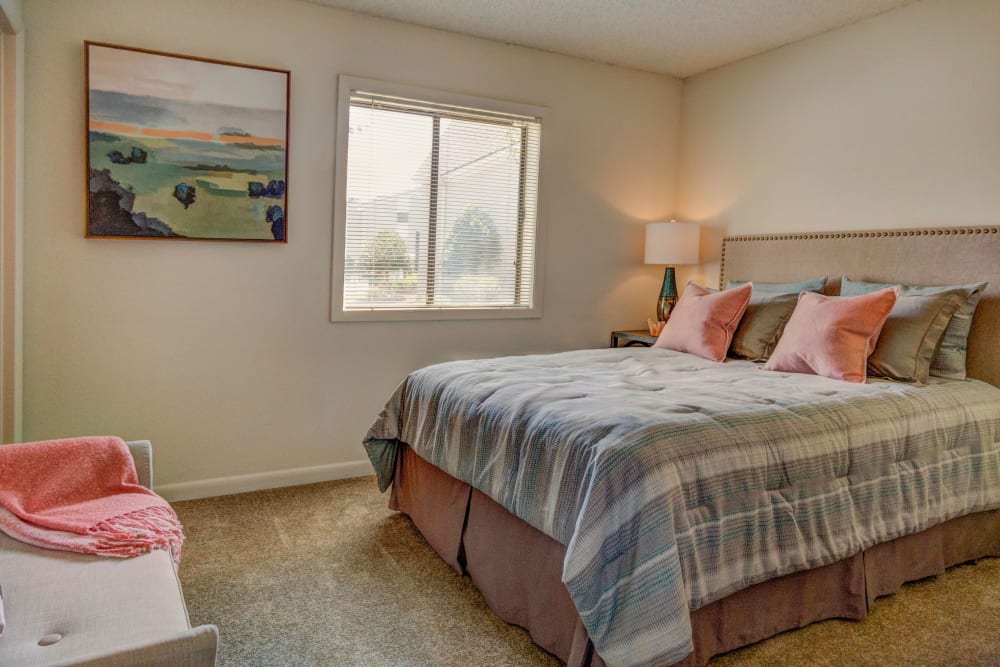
x=934, y=231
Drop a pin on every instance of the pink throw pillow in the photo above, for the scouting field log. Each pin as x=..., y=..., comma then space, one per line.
x=832, y=336
x=703, y=322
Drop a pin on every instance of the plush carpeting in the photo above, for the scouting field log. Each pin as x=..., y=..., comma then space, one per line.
x=327, y=575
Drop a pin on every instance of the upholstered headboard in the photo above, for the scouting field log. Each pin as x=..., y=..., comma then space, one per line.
x=946, y=256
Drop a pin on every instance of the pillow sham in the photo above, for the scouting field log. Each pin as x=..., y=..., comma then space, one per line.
x=703, y=321
x=950, y=359
x=832, y=336
x=771, y=304
x=911, y=335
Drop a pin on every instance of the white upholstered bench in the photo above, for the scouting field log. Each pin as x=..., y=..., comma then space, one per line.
x=65, y=608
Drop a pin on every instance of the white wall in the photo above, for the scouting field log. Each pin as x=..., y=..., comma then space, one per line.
x=891, y=122
x=223, y=353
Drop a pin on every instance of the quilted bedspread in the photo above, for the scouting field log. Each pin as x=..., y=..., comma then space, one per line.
x=674, y=481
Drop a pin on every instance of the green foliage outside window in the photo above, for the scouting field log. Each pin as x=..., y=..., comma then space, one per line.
x=386, y=255
x=473, y=247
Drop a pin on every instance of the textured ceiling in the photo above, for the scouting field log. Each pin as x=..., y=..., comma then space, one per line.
x=677, y=37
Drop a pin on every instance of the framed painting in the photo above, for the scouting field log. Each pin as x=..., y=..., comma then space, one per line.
x=180, y=147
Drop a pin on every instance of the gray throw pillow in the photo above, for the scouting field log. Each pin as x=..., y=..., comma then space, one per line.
x=771, y=304
x=949, y=360
x=911, y=336
x=762, y=325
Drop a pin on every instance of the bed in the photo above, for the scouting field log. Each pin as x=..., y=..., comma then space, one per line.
x=617, y=534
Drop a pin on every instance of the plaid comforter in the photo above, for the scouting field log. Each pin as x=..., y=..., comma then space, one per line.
x=674, y=481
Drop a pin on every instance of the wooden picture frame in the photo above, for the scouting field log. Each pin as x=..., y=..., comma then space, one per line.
x=184, y=148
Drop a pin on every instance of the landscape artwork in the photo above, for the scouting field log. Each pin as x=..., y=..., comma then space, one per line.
x=185, y=148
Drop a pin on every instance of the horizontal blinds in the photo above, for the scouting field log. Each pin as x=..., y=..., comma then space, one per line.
x=441, y=205
x=390, y=102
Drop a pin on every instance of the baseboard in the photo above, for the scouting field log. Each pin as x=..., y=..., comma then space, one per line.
x=224, y=486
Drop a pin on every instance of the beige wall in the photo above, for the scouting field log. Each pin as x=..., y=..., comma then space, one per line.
x=891, y=122
x=11, y=219
x=223, y=353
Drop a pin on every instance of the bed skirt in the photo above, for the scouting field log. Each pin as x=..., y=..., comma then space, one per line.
x=518, y=570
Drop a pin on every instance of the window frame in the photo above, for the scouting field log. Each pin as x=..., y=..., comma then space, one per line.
x=345, y=85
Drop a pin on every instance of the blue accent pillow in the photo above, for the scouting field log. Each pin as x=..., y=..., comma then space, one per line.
x=776, y=289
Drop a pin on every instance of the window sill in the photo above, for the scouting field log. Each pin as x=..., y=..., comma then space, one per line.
x=439, y=314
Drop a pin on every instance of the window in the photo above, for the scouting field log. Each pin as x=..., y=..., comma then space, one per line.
x=438, y=216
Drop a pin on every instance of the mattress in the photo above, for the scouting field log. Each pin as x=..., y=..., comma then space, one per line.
x=673, y=481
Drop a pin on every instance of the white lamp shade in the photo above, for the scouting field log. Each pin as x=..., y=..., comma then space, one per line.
x=672, y=243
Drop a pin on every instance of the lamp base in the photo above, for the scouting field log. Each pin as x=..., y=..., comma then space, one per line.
x=665, y=306
x=668, y=295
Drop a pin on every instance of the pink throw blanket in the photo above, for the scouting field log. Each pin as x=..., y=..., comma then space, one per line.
x=82, y=494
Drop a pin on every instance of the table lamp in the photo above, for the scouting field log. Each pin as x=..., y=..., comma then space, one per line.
x=670, y=243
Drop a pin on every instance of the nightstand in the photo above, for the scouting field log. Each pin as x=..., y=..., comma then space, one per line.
x=630, y=338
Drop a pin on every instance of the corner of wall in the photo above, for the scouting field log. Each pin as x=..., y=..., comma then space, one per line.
x=11, y=219
x=11, y=16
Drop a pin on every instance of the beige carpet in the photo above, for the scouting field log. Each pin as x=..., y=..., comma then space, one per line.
x=326, y=575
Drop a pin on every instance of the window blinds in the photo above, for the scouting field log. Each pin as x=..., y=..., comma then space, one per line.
x=441, y=206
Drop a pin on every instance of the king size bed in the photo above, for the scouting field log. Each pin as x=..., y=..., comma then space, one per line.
x=648, y=507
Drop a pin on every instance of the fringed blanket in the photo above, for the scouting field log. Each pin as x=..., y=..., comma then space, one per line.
x=83, y=495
